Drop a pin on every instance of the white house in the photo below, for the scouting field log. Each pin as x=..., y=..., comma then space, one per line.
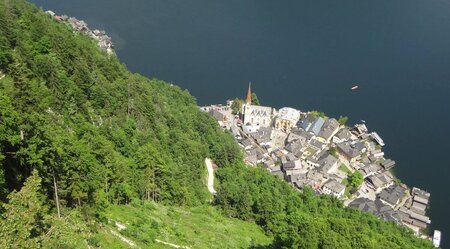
x=334, y=188
x=287, y=118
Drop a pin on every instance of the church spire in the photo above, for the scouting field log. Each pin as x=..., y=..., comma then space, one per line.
x=248, y=101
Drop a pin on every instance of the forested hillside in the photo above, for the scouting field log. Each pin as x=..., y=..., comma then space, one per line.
x=80, y=133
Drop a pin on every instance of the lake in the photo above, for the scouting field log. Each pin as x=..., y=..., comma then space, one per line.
x=306, y=55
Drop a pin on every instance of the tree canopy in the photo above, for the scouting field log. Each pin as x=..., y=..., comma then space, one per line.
x=79, y=132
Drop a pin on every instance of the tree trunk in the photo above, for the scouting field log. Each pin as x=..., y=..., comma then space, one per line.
x=56, y=195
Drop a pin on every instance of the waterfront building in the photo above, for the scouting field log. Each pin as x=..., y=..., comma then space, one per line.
x=287, y=118
x=317, y=126
x=329, y=129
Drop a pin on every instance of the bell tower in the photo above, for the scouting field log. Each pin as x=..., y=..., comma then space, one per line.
x=248, y=100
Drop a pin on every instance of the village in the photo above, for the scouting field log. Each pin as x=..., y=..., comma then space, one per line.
x=310, y=149
x=104, y=42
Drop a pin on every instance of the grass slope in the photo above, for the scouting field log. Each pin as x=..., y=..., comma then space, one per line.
x=197, y=227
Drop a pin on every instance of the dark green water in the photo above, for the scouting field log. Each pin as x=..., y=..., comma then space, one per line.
x=305, y=54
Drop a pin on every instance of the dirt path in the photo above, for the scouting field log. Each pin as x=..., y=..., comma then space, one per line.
x=171, y=245
x=122, y=238
x=210, y=182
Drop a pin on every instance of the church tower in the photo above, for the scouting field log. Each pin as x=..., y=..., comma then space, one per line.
x=248, y=101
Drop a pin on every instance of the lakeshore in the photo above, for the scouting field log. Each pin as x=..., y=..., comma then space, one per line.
x=104, y=42
x=309, y=149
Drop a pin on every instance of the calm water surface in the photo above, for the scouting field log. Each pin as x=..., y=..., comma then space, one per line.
x=305, y=54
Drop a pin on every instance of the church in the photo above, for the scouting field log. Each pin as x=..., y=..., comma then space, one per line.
x=255, y=115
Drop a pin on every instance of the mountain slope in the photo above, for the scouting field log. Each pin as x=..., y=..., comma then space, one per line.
x=82, y=134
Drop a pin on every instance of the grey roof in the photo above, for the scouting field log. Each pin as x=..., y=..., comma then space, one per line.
x=290, y=165
x=358, y=146
x=329, y=128
x=327, y=163
x=381, y=180
x=370, y=168
x=422, y=193
x=348, y=150
x=298, y=134
x=316, y=144
x=335, y=186
x=344, y=134
x=294, y=146
x=317, y=126
x=217, y=115
x=269, y=163
x=393, y=194
x=387, y=164
x=280, y=174
x=365, y=205
x=251, y=159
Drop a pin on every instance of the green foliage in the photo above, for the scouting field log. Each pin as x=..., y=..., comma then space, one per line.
x=103, y=136
x=318, y=114
x=24, y=221
x=356, y=179
x=196, y=227
x=303, y=220
x=106, y=134
x=342, y=120
x=333, y=152
x=345, y=169
x=236, y=107
x=255, y=100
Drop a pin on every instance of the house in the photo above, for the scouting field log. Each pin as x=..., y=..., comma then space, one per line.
x=250, y=128
x=360, y=129
x=298, y=134
x=347, y=152
x=311, y=162
x=287, y=118
x=246, y=144
x=343, y=135
x=258, y=115
x=365, y=205
x=328, y=164
x=380, y=181
x=377, y=153
x=329, y=129
x=306, y=122
x=334, y=188
x=393, y=195
x=291, y=165
x=388, y=164
x=294, y=146
x=269, y=163
x=235, y=131
x=370, y=169
x=421, y=218
x=277, y=171
x=220, y=117
x=317, y=126
x=251, y=159
x=262, y=136
x=420, y=196
x=316, y=144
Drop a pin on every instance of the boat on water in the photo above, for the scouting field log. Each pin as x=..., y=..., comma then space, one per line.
x=354, y=88
x=437, y=238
